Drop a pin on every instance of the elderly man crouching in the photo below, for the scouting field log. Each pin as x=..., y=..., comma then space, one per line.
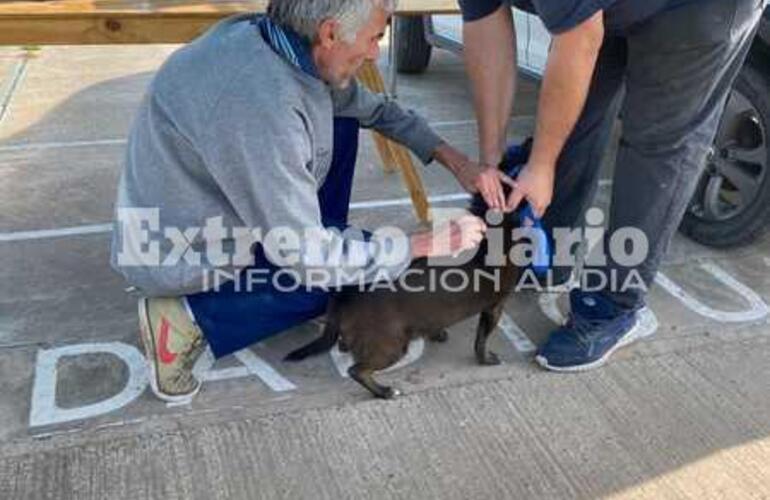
x=255, y=125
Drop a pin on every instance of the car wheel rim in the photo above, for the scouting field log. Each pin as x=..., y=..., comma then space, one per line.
x=736, y=164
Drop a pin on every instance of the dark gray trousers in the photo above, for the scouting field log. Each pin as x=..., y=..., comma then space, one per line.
x=669, y=77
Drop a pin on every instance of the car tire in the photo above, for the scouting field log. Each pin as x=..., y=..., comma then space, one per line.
x=712, y=219
x=413, y=50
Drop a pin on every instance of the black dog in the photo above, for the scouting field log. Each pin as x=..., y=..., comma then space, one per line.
x=376, y=326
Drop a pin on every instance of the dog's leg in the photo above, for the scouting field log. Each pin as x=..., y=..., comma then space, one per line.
x=487, y=323
x=363, y=376
x=439, y=336
x=323, y=343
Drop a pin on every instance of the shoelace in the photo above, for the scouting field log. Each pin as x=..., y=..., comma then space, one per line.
x=191, y=353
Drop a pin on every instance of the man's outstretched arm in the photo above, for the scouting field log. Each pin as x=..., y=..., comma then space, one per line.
x=406, y=127
x=563, y=93
x=490, y=60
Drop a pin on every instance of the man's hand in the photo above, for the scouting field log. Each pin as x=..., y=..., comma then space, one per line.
x=450, y=239
x=488, y=181
x=535, y=184
x=474, y=178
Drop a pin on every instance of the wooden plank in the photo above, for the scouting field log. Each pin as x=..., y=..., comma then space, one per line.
x=64, y=8
x=161, y=7
x=413, y=183
x=370, y=76
x=389, y=163
x=98, y=31
x=80, y=22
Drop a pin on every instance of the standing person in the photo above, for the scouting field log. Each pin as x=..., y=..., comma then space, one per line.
x=675, y=60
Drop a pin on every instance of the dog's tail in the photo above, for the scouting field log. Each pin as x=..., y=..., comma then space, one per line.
x=323, y=343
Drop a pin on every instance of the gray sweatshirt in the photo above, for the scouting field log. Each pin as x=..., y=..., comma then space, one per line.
x=230, y=131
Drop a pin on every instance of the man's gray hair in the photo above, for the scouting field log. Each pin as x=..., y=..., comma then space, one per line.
x=305, y=16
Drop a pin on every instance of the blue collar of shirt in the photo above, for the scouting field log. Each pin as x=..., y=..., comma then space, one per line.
x=288, y=44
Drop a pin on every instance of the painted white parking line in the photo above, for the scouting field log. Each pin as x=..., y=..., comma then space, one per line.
x=514, y=333
x=262, y=370
x=8, y=91
x=44, y=409
x=55, y=233
x=408, y=201
x=452, y=123
x=343, y=360
x=757, y=310
x=106, y=228
x=32, y=146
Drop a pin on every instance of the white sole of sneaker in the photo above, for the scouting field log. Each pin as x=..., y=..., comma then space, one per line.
x=645, y=326
x=149, y=350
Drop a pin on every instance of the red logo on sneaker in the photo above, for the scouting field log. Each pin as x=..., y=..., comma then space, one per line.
x=165, y=355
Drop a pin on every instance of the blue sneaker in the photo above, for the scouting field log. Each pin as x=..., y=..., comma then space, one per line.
x=597, y=328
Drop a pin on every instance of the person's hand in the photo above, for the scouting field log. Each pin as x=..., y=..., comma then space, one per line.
x=487, y=181
x=535, y=184
x=449, y=239
x=475, y=178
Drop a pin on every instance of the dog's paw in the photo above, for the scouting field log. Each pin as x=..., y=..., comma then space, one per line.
x=489, y=359
x=390, y=393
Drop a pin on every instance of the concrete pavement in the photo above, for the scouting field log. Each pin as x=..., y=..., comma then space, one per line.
x=682, y=414
x=660, y=426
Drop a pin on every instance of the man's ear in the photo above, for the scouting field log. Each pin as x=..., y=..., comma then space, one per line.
x=327, y=33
